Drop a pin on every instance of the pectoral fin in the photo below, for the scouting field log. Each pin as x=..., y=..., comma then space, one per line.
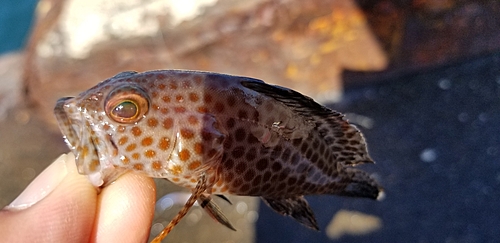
x=296, y=207
x=198, y=190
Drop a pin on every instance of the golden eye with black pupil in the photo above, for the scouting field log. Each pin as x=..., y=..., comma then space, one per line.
x=126, y=109
x=126, y=104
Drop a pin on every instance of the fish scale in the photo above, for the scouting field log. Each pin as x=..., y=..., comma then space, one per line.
x=216, y=134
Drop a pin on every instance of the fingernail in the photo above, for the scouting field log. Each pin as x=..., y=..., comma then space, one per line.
x=42, y=185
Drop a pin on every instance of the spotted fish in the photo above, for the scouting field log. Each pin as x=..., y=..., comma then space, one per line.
x=216, y=134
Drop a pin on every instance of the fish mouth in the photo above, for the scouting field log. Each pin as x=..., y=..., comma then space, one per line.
x=65, y=124
x=77, y=136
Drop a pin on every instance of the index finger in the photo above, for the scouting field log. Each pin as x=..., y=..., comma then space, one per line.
x=125, y=210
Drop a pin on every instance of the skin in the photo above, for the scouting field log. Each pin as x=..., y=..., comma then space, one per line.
x=74, y=211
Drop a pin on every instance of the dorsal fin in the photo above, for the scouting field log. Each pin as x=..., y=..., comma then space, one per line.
x=342, y=137
x=296, y=101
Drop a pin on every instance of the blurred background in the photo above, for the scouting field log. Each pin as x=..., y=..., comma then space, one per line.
x=420, y=78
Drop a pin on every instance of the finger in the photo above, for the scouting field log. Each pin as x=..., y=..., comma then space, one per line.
x=125, y=210
x=65, y=214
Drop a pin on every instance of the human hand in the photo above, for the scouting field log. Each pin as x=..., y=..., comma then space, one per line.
x=61, y=205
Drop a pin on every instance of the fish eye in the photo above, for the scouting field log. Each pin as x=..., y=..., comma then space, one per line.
x=126, y=109
x=126, y=104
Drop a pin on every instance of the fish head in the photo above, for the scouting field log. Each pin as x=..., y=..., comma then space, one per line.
x=109, y=128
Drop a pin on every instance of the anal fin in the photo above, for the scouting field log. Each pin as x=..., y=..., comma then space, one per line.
x=296, y=207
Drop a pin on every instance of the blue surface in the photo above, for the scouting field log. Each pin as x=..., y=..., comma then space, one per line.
x=436, y=141
x=15, y=21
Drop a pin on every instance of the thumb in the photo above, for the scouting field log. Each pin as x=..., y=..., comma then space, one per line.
x=58, y=206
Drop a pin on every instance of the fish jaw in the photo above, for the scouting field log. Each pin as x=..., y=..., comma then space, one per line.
x=93, y=154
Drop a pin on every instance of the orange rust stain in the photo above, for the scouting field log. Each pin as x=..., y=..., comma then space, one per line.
x=193, y=120
x=85, y=151
x=161, y=86
x=152, y=122
x=155, y=107
x=168, y=123
x=165, y=99
x=193, y=180
x=173, y=85
x=96, y=140
x=176, y=179
x=223, y=189
x=198, y=148
x=187, y=133
x=125, y=160
x=219, y=183
x=176, y=170
x=194, y=165
x=94, y=165
x=193, y=97
x=179, y=98
x=138, y=166
x=203, y=109
x=149, y=153
x=184, y=155
x=136, y=156
x=121, y=129
x=123, y=140
x=136, y=131
x=164, y=143
x=131, y=147
x=211, y=180
x=147, y=141
x=106, y=127
x=164, y=110
x=156, y=165
x=154, y=94
x=180, y=109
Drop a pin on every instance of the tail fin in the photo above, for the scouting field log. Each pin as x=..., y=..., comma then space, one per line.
x=357, y=183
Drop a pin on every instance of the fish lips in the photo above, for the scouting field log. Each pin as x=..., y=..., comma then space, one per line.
x=76, y=127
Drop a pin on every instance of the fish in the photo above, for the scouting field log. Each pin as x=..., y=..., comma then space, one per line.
x=216, y=134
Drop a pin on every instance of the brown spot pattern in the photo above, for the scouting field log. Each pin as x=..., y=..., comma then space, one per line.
x=164, y=143
x=136, y=131
x=187, y=133
x=152, y=122
x=184, y=155
x=147, y=141
x=168, y=123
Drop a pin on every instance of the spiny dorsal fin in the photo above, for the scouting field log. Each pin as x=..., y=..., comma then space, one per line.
x=342, y=137
x=296, y=207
